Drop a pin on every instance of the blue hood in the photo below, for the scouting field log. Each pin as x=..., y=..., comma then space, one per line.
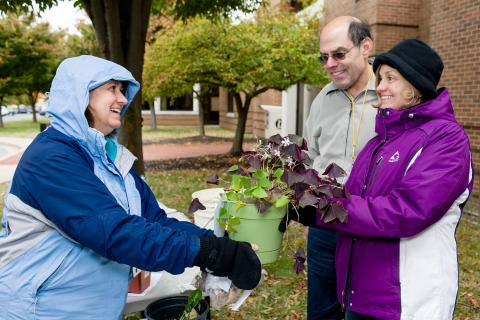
x=69, y=94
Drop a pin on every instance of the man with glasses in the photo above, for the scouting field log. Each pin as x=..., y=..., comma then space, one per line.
x=340, y=122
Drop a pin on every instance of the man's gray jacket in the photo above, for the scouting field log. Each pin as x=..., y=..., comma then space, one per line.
x=328, y=130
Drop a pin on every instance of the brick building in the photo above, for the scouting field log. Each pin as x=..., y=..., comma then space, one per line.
x=451, y=27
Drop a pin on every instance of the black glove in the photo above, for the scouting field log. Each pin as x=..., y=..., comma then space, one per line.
x=227, y=258
x=306, y=216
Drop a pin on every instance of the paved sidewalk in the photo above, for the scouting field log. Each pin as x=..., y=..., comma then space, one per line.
x=13, y=149
x=188, y=150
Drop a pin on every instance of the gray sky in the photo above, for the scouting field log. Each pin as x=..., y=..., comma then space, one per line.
x=64, y=16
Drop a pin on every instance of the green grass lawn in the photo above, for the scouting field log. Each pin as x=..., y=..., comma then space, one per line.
x=26, y=128
x=283, y=294
x=169, y=132
x=21, y=129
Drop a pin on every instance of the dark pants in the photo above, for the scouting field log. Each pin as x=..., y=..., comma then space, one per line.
x=350, y=315
x=322, y=300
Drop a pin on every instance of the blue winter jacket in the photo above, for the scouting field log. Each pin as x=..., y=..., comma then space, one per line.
x=74, y=221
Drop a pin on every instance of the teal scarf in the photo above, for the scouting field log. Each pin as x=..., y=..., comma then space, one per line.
x=111, y=149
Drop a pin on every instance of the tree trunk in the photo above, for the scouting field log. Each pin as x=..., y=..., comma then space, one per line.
x=201, y=113
x=1, y=116
x=121, y=29
x=152, y=114
x=242, y=111
x=33, y=99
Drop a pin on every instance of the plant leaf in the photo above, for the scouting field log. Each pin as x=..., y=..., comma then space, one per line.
x=346, y=192
x=259, y=192
x=278, y=173
x=223, y=212
x=222, y=223
x=334, y=212
x=262, y=177
x=299, y=141
x=295, y=152
x=340, y=212
x=213, y=179
x=261, y=173
x=275, y=139
x=233, y=168
x=233, y=196
x=264, y=183
x=299, y=189
x=322, y=203
x=311, y=177
x=299, y=257
x=282, y=201
x=307, y=161
x=234, y=221
x=240, y=204
x=337, y=192
x=230, y=229
x=195, y=205
x=291, y=177
x=262, y=205
x=324, y=189
x=254, y=162
x=334, y=171
x=308, y=199
x=193, y=300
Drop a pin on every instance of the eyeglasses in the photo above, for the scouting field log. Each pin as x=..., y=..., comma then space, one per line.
x=336, y=55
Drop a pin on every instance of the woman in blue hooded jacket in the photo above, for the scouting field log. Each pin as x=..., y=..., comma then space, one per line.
x=77, y=216
x=396, y=256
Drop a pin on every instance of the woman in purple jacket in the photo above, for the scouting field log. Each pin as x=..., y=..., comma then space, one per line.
x=396, y=255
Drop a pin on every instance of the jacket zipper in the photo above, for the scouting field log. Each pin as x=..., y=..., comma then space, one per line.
x=364, y=187
x=123, y=182
x=377, y=164
x=352, y=101
x=348, y=289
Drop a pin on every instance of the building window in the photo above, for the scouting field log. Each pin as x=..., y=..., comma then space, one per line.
x=183, y=103
x=230, y=102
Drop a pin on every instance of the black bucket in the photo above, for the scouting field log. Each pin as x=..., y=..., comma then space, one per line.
x=172, y=309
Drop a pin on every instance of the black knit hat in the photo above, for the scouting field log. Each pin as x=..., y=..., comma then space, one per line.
x=416, y=62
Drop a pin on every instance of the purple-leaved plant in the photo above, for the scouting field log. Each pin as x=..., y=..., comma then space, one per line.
x=278, y=173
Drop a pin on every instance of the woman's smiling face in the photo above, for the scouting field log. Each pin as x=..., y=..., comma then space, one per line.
x=394, y=90
x=106, y=103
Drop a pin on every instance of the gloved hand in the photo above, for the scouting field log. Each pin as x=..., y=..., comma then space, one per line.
x=227, y=258
x=306, y=216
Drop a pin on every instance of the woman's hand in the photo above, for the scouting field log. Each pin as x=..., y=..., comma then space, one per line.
x=306, y=216
x=228, y=258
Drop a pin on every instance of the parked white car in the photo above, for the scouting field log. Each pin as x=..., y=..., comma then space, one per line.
x=41, y=108
x=5, y=111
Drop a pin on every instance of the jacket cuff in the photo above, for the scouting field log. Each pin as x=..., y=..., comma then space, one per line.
x=205, y=247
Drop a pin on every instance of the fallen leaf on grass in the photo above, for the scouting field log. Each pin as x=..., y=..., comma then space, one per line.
x=472, y=300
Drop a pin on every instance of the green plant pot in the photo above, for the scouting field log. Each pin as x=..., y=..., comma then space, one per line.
x=260, y=229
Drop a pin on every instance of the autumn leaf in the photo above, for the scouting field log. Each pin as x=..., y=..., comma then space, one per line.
x=213, y=179
x=195, y=205
x=299, y=257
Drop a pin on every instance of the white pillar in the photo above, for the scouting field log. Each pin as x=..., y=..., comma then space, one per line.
x=310, y=92
x=289, y=110
x=196, y=102
x=157, y=104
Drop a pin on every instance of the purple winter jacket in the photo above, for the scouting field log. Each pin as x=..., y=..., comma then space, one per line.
x=396, y=256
